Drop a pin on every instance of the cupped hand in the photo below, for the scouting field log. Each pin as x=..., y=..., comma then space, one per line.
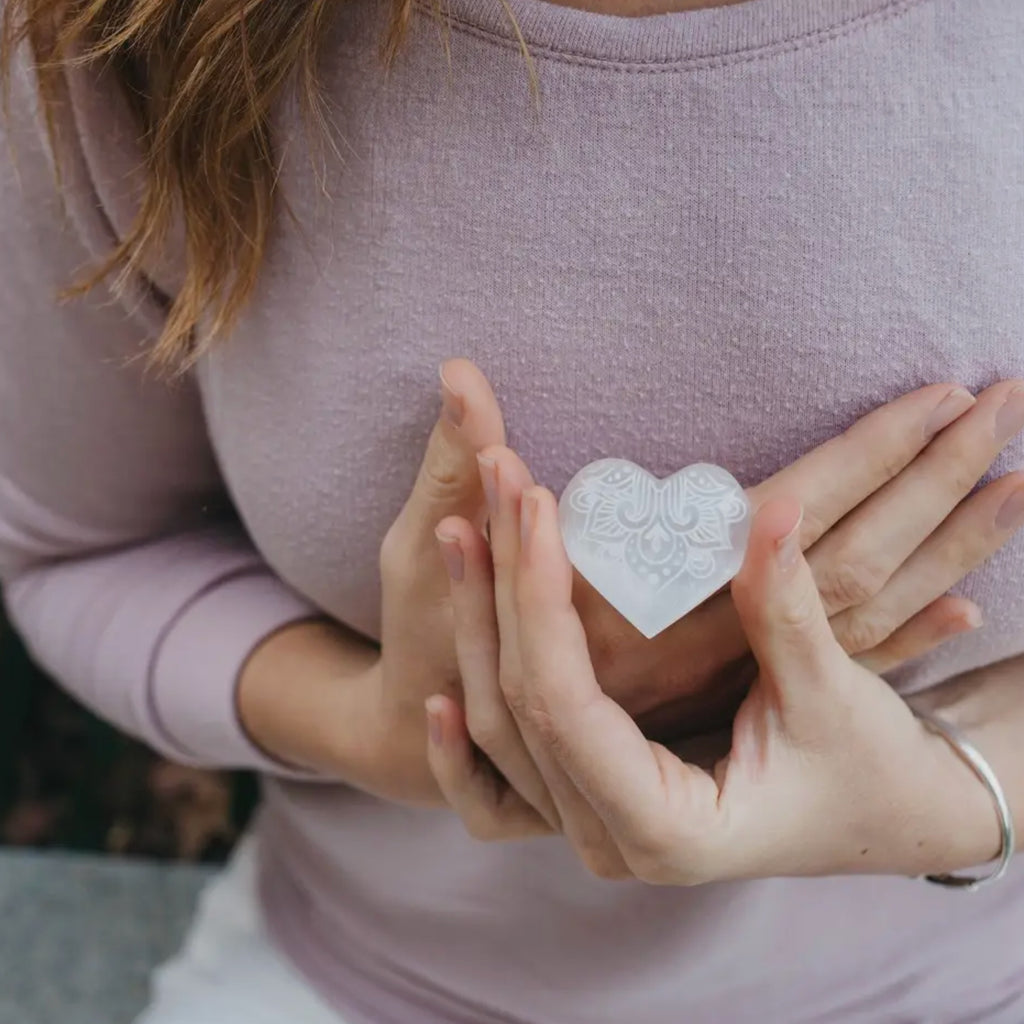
x=887, y=531
x=826, y=770
x=910, y=541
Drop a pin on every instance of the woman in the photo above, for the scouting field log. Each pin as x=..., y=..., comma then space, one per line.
x=722, y=235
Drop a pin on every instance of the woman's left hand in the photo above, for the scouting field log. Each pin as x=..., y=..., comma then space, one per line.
x=826, y=770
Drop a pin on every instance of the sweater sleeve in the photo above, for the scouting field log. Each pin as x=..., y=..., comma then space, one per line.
x=122, y=563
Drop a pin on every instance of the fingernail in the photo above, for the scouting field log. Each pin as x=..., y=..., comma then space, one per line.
x=1010, y=418
x=451, y=553
x=527, y=519
x=434, y=730
x=787, y=549
x=489, y=479
x=453, y=408
x=1011, y=513
x=952, y=407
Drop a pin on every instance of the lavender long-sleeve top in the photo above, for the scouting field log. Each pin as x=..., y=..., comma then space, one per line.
x=722, y=235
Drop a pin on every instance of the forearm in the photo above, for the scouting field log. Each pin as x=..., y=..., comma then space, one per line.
x=302, y=694
x=311, y=697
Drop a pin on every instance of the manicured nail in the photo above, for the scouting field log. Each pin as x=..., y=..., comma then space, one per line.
x=787, y=549
x=453, y=408
x=952, y=407
x=1011, y=513
x=1010, y=418
x=489, y=479
x=527, y=519
x=451, y=553
x=434, y=730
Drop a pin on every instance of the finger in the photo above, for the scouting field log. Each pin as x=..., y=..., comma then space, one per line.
x=838, y=475
x=857, y=558
x=448, y=481
x=979, y=527
x=780, y=609
x=929, y=628
x=490, y=723
x=642, y=794
x=504, y=477
x=488, y=807
x=582, y=827
x=830, y=481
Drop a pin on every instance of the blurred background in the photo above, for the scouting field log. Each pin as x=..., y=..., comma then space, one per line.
x=68, y=781
x=104, y=851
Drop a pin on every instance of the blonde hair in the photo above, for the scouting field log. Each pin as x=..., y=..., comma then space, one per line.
x=202, y=77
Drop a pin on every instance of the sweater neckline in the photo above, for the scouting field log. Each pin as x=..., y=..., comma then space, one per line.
x=701, y=36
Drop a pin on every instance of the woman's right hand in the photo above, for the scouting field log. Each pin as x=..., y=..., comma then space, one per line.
x=889, y=527
x=889, y=532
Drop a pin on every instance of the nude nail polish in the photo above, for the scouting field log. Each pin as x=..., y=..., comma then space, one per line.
x=453, y=407
x=489, y=480
x=1010, y=418
x=951, y=408
x=434, y=730
x=1011, y=513
x=451, y=554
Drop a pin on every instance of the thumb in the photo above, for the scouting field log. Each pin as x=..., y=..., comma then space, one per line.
x=780, y=608
x=448, y=481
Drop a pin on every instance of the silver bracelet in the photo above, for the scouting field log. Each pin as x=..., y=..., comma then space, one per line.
x=975, y=760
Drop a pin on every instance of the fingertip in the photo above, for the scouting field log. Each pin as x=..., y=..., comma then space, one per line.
x=540, y=516
x=477, y=413
x=778, y=519
x=774, y=538
x=513, y=472
x=455, y=530
x=435, y=707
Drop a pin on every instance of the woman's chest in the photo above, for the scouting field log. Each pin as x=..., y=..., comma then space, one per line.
x=726, y=294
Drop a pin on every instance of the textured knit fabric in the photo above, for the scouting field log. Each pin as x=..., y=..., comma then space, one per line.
x=720, y=235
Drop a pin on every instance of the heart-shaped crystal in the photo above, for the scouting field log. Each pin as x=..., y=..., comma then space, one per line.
x=654, y=549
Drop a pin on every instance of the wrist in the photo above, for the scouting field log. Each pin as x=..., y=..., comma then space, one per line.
x=312, y=696
x=963, y=815
x=293, y=693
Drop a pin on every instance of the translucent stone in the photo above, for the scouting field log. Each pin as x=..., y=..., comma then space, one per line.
x=654, y=549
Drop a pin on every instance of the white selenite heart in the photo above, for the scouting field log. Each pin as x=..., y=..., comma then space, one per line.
x=654, y=549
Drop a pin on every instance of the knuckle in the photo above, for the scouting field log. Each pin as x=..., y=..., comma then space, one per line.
x=487, y=729
x=660, y=857
x=864, y=631
x=602, y=862
x=814, y=525
x=515, y=698
x=888, y=452
x=850, y=580
x=891, y=461
x=798, y=614
x=481, y=826
x=543, y=724
x=443, y=473
x=961, y=468
x=648, y=857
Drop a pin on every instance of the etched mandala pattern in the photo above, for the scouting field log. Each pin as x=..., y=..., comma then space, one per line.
x=660, y=529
